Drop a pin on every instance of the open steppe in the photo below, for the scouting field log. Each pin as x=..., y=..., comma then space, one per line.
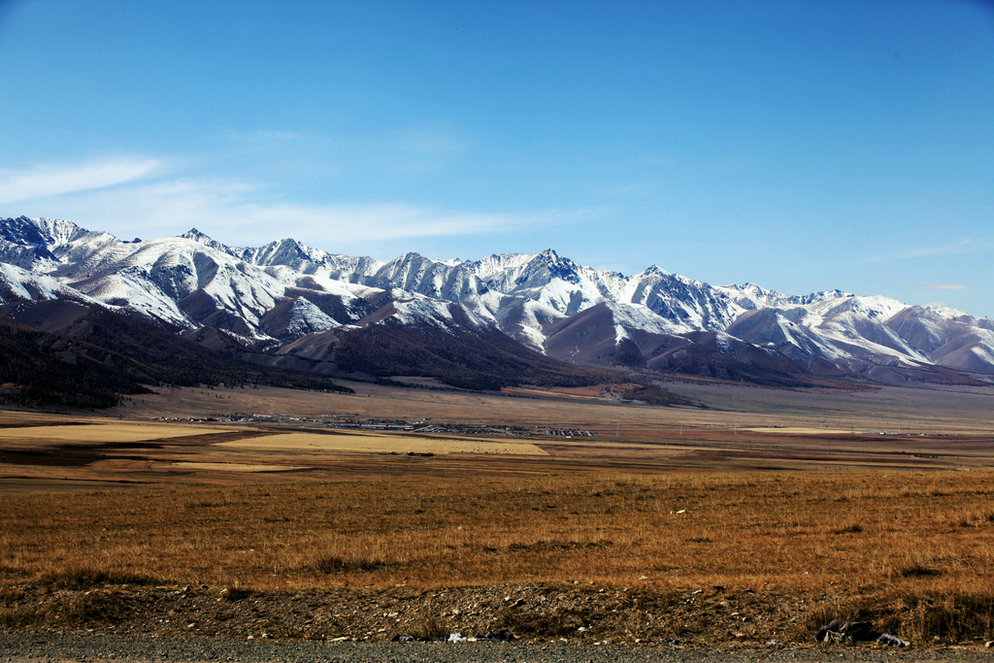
x=754, y=518
x=290, y=436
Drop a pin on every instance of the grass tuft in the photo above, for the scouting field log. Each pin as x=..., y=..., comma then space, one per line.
x=429, y=626
x=917, y=570
x=85, y=577
x=957, y=617
x=334, y=564
x=855, y=528
x=64, y=609
x=21, y=618
x=539, y=624
x=7, y=571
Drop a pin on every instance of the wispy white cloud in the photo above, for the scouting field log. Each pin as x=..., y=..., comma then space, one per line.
x=959, y=246
x=414, y=152
x=54, y=180
x=944, y=286
x=434, y=141
x=240, y=213
x=630, y=190
x=273, y=140
x=269, y=135
x=962, y=246
x=425, y=151
x=361, y=223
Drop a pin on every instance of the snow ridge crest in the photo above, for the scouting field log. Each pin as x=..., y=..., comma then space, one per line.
x=284, y=289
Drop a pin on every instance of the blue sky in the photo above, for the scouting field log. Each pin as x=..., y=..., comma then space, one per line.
x=799, y=145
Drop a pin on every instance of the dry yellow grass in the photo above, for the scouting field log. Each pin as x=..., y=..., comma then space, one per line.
x=661, y=501
x=385, y=443
x=100, y=432
x=894, y=542
x=857, y=532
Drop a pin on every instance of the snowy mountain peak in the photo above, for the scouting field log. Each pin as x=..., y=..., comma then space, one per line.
x=200, y=238
x=196, y=236
x=652, y=270
x=25, y=244
x=558, y=267
x=22, y=231
x=283, y=291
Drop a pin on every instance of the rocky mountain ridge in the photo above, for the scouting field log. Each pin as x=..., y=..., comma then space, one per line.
x=276, y=299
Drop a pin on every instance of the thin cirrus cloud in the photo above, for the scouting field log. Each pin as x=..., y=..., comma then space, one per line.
x=429, y=142
x=362, y=223
x=961, y=246
x=413, y=152
x=425, y=151
x=241, y=213
x=944, y=286
x=55, y=180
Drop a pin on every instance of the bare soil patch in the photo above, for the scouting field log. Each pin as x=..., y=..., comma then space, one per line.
x=562, y=613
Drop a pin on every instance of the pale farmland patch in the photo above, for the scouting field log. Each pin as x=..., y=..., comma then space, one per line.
x=101, y=433
x=379, y=443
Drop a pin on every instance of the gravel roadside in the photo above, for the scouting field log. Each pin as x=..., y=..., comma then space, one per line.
x=551, y=623
x=21, y=647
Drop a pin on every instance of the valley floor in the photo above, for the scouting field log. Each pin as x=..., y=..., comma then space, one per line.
x=668, y=534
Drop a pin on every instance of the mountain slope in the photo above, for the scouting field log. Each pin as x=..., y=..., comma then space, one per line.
x=39, y=368
x=82, y=355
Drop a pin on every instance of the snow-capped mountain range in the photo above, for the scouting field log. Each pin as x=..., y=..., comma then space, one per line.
x=294, y=303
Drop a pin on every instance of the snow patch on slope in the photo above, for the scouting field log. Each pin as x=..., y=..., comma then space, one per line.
x=21, y=284
x=305, y=318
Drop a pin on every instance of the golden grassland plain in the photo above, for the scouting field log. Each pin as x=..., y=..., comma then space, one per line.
x=913, y=552
x=872, y=505
x=106, y=431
